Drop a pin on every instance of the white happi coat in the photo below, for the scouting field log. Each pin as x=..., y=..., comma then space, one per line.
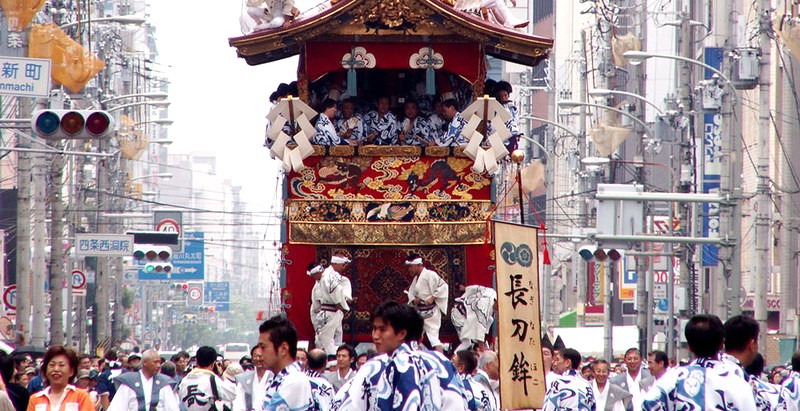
x=426, y=285
x=473, y=312
x=328, y=293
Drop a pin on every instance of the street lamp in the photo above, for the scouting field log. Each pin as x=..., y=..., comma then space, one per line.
x=165, y=122
x=129, y=19
x=153, y=95
x=140, y=103
x=165, y=176
x=552, y=123
x=637, y=57
x=601, y=92
x=569, y=105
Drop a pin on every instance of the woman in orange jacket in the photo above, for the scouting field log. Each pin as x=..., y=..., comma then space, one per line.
x=60, y=366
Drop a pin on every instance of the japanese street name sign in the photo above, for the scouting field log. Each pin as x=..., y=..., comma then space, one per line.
x=103, y=245
x=522, y=383
x=24, y=77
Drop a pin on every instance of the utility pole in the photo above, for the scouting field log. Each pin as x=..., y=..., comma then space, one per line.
x=57, y=276
x=583, y=217
x=608, y=326
x=57, y=207
x=790, y=186
x=643, y=298
x=39, y=244
x=763, y=202
x=101, y=320
x=24, y=196
x=686, y=168
x=726, y=289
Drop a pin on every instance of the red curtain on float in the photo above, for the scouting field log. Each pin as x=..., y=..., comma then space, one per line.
x=462, y=59
x=378, y=274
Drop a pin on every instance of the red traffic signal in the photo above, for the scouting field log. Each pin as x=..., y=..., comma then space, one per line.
x=72, y=124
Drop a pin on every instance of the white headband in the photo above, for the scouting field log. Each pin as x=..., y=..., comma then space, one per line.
x=339, y=260
x=416, y=261
x=316, y=270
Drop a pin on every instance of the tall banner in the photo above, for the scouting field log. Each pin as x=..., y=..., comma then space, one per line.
x=712, y=163
x=521, y=369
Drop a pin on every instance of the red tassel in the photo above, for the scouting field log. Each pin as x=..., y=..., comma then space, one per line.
x=545, y=253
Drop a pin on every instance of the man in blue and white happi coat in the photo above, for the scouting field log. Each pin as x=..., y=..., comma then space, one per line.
x=568, y=391
x=410, y=378
x=706, y=383
x=290, y=390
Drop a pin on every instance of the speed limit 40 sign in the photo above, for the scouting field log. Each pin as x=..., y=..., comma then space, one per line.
x=170, y=221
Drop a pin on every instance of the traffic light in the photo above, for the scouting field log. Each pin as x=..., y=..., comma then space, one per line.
x=587, y=252
x=72, y=124
x=591, y=252
x=156, y=258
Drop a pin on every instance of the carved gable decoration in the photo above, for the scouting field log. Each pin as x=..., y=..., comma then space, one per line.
x=392, y=21
x=399, y=15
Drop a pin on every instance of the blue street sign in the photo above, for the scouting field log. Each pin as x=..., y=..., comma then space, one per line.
x=663, y=305
x=186, y=265
x=219, y=294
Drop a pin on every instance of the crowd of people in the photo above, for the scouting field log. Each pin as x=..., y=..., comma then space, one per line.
x=276, y=376
x=420, y=121
x=399, y=372
x=726, y=373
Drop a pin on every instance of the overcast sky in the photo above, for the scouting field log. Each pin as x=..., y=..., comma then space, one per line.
x=218, y=102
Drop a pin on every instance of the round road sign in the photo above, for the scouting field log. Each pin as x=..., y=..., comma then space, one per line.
x=195, y=294
x=10, y=297
x=168, y=225
x=78, y=279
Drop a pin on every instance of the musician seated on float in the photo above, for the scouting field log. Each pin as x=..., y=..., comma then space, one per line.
x=380, y=125
x=415, y=129
x=349, y=124
x=454, y=123
x=326, y=132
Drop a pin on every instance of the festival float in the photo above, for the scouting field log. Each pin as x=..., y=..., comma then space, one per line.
x=378, y=203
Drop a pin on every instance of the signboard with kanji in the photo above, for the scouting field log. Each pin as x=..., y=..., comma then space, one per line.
x=522, y=383
x=188, y=264
x=24, y=77
x=103, y=245
x=218, y=294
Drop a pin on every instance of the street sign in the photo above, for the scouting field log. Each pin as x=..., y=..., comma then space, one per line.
x=659, y=291
x=78, y=279
x=660, y=277
x=103, y=245
x=78, y=282
x=194, y=297
x=169, y=221
x=168, y=226
x=10, y=297
x=662, y=305
x=25, y=77
x=218, y=293
x=186, y=265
